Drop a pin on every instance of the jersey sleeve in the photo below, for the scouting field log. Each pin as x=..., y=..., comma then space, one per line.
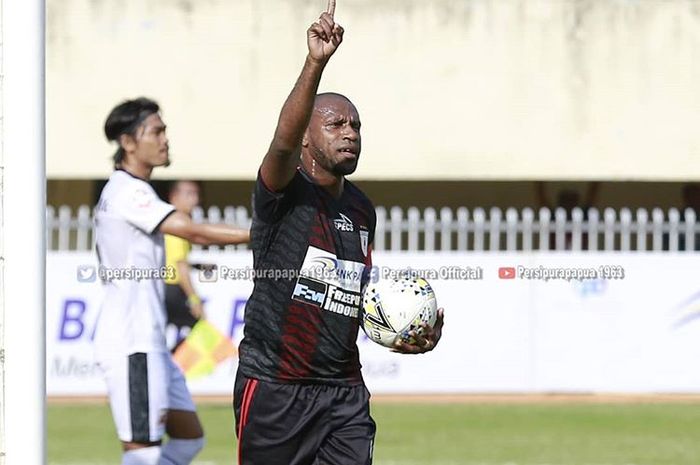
x=140, y=206
x=270, y=206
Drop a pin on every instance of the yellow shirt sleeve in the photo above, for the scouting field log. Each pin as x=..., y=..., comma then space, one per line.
x=176, y=250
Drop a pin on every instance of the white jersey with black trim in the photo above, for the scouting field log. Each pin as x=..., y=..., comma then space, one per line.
x=132, y=315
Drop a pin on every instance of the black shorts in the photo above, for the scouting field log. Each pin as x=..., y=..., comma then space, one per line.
x=302, y=424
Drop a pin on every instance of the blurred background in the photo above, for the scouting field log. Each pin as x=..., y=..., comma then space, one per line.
x=496, y=134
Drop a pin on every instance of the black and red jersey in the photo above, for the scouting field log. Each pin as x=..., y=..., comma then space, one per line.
x=311, y=253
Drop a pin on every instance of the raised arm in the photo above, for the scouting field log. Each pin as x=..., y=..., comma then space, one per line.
x=181, y=225
x=280, y=162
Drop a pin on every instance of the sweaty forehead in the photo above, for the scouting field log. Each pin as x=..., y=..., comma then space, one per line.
x=334, y=106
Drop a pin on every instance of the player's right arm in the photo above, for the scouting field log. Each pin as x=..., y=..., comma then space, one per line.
x=139, y=205
x=181, y=225
x=280, y=162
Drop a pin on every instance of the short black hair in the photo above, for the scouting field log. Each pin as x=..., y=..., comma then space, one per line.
x=125, y=118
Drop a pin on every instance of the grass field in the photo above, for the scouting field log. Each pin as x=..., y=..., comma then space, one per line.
x=442, y=434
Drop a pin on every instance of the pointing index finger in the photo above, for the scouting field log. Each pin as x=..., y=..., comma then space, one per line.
x=331, y=8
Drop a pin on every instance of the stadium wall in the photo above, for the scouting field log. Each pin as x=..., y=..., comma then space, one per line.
x=448, y=89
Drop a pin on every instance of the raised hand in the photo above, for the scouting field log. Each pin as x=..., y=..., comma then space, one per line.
x=324, y=36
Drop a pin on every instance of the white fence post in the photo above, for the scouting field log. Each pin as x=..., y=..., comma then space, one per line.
x=462, y=228
x=690, y=219
x=625, y=229
x=64, y=227
x=479, y=226
x=430, y=220
x=609, y=237
x=642, y=220
x=445, y=228
x=528, y=220
x=577, y=229
x=593, y=221
x=657, y=218
x=413, y=227
x=560, y=229
x=674, y=218
x=545, y=216
x=495, y=229
x=84, y=228
x=396, y=223
x=380, y=230
x=511, y=229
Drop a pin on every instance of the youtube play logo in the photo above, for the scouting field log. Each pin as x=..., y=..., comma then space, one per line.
x=506, y=272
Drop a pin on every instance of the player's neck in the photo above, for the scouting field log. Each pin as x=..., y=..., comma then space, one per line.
x=331, y=183
x=138, y=170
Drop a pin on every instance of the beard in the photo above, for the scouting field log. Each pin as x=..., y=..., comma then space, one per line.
x=340, y=168
x=345, y=167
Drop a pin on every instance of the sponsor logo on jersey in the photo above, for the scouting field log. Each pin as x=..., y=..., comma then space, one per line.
x=343, y=223
x=330, y=283
x=327, y=268
x=342, y=302
x=327, y=297
x=310, y=291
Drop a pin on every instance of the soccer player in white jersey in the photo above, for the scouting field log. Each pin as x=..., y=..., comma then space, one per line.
x=147, y=391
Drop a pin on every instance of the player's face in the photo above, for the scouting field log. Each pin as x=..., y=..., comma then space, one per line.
x=334, y=135
x=151, y=144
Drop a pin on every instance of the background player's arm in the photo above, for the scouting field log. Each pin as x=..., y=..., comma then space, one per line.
x=181, y=225
x=280, y=162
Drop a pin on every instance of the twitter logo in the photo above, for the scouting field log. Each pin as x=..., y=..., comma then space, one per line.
x=86, y=274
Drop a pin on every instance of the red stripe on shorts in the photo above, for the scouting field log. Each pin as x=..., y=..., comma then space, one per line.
x=248, y=391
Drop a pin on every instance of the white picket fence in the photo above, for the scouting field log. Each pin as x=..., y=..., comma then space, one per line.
x=463, y=229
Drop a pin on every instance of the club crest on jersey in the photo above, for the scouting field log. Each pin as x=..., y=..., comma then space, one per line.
x=364, y=241
x=142, y=198
x=343, y=224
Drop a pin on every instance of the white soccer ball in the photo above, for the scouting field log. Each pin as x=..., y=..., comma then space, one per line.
x=393, y=307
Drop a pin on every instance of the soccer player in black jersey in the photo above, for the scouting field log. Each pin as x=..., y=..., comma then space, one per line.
x=299, y=397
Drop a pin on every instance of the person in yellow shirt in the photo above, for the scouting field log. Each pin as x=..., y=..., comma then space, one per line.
x=183, y=305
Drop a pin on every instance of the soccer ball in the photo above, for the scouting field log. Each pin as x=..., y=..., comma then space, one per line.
x=391, y=308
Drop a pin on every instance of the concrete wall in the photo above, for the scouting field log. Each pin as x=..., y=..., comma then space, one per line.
x=447, y=89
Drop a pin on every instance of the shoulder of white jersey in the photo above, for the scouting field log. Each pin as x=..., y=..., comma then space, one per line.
x=125, y=184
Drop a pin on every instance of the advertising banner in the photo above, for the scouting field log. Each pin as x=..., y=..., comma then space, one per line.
x=541, y=322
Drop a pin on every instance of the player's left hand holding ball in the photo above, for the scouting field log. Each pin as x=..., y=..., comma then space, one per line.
x=425, y=340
